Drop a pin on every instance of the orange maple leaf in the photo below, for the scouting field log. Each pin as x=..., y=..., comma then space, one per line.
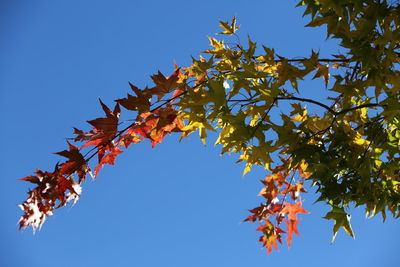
x=271, y=234
x=293, y=209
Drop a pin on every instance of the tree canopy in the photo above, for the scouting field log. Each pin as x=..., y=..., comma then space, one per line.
x=345, y=142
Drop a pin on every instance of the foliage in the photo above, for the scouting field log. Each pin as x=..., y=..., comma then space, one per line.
x=348, y=147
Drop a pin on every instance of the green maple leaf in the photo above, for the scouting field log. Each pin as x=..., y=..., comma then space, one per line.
x=342, y=219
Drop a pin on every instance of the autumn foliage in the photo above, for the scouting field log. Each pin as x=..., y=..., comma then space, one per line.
x=55, y=189
x=153, y=122
x=348, y=148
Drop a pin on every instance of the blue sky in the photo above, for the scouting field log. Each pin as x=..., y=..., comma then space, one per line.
x=179, y=204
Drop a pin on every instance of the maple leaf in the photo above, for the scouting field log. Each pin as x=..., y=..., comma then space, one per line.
x=168, y=120
x=141, y=129
x=272, y=184
x=259, y=213
x=32, y=179
x=104, y=130
x=147, y=128
x=271, y=234
x=229, y=28
x=342, y=219
x=76, y=162
x=156, y=125
x=323, y=71
x=294, y=190
x=40, y=178
x=302, y=169
x=82, y=136
x=293, y=210
x=129, y=137
x=279, y=177
x=263, y=211
x=63, y=185
x=270, y=191
x=156, y=137
x=140, y=102
x=106, y=155
x=35, y=213
x=107, y=126
x=96, y=142
x=275, y=207
x=92, y=137
x=164, y=85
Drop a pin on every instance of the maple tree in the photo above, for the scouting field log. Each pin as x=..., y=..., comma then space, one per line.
x=348, y=148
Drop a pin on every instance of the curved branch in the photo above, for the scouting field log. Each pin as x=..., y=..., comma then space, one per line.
x=133, y=123
x=263, y=118
x=306, y=100
x=357, y=107
x=304, y=59
x=335, y=113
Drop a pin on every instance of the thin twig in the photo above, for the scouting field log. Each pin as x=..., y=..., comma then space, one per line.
x=284, y=196
x=358, y=107
x=327, y=107
x=306, y=100
x=263, y=118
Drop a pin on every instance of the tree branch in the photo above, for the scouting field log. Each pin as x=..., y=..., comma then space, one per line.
x=304, y=59
x=336, y=113
x=100, y=146
x=263, y=118
x=306, y=100
x=357, y=107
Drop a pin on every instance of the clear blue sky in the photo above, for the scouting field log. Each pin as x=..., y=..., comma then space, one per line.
x=174, y=205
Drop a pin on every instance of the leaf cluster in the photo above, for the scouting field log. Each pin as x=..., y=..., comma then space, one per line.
x=346, y=144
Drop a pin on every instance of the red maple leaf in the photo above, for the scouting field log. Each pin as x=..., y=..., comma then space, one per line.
x=157, y=124
x=32, y=179
x=40, y=177
x=141, y=129
x=164, y=85
x=263, y=212
x=63, y=185
x=129, y=137
x=258, y=213
x=106, y=155
x=82, y=136
x=140, y=102
x=76, y=163
x=104, y=130
x=107, y=127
